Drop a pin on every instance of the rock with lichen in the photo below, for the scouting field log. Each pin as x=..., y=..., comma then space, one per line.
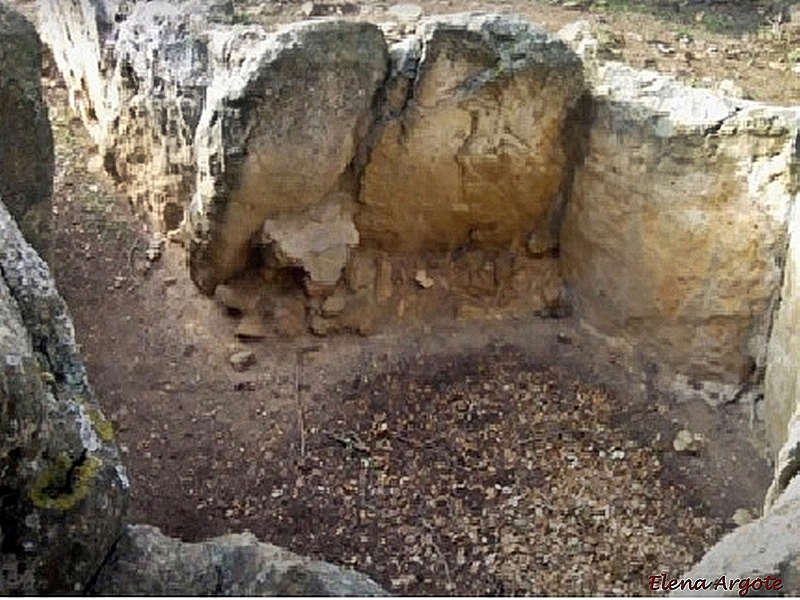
x=64, y=490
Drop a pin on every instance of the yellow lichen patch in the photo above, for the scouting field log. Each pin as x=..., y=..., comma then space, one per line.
x=103, y=427
x=64, y=484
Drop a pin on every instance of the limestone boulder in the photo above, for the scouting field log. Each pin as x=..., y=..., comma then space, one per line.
x=782, y=380
x=472, y=148
x=26, y=141
x=318, y=240
x=147, y=563
x=675, y=233
x=63, y=486
x=286, y=114
x=767, y=547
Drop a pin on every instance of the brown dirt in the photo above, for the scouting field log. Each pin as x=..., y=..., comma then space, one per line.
x=447, y=457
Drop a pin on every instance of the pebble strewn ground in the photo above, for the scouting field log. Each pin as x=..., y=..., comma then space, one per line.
x=486, y=477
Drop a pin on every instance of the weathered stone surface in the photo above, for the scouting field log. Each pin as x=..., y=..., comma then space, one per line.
x=334, y=305
x=285, y=114
x=782, y=380
x=318, y=240
x=26, y=141
x=146, y=562
x=63, y=486
x=477, y=151
x=137, y=73
x=252, y=326
x=676, y=228
x=243, y=360
x=769, y=546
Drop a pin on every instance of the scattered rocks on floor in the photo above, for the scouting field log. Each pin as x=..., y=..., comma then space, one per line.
x=686, y=441
x=486, y=476
x=423, y=280
x=241, y=361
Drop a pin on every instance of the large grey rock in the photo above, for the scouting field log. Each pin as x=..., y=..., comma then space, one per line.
x=769, y=546
x=675, y=234
x=26, y=141
x=146, y=562
x=64, y=490
x=782, y=382
x=284, y=118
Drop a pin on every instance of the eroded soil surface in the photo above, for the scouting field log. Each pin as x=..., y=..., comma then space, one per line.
x=446, y=457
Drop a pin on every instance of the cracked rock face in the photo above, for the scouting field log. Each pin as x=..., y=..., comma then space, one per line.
x=26, y=142
x=676, y=229
x=64, y=489
x=284, y=117
x=146, y=562
x=476, y=151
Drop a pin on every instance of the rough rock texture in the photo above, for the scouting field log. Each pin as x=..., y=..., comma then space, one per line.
x=782, y=381
x=146, y=562
x=769, y=546
x=284, y=116
x=676, y=229
x=285, y=113
x=317, y=240
x=26, y=141
x=137, y=72
x=63, y=487
x=473, y=149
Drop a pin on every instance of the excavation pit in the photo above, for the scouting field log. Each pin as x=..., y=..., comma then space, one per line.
x=629, y=237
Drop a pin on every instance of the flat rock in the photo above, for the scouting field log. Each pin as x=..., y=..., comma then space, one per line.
x=423, y=280
x=318, y=240
x=147, y=563
x=334, y=305
x=241, y=361
x=251, y=326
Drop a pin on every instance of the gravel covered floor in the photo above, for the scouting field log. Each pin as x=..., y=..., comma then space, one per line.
x=483, y=476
